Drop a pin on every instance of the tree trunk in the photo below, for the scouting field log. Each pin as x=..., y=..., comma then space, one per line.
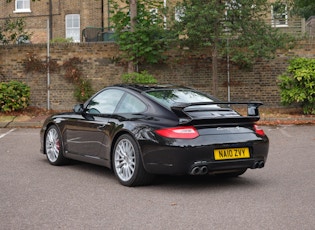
x=133, y=14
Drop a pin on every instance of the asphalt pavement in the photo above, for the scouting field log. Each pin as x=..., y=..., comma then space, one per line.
x=35, y=195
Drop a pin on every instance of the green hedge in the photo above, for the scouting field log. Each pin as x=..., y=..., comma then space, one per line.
x=14, y=96
x=139, y=78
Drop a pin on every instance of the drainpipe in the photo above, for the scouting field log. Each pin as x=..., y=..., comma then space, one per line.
x=108, y=14
x=50, y=20
x=165, y=20
x=228, y=69
x=102, y=16
x=48, y=59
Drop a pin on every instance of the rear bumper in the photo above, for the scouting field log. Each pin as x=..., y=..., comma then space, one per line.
x=181, y=160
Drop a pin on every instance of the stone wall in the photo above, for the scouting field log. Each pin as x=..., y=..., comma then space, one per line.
x=98, y=65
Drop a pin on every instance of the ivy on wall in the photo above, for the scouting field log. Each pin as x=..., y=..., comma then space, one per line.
x=73, y=74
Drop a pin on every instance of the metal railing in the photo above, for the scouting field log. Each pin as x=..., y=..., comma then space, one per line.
x=310, y=27
x=294, y=27
x=96, y=34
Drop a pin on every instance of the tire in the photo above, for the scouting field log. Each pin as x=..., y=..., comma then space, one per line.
x=231, y=174
x=54, y=146
x=127, y=163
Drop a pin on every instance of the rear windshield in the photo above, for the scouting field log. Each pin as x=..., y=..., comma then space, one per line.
x=169, y=97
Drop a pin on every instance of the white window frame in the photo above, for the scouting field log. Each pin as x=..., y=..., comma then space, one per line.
x=154, y=12
x=232, y=6
x=179, y=12
x=71, y=28
x=26, y=6
x=276, y=22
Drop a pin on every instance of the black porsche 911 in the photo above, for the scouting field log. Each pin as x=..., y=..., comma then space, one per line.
x=139, y=131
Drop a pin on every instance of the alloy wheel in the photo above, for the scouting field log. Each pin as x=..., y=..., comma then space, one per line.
x=125, y=159
x=52, y=145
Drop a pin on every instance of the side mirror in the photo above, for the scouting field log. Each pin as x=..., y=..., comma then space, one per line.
x=78, y=108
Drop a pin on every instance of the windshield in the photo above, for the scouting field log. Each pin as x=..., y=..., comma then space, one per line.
x=169, y=97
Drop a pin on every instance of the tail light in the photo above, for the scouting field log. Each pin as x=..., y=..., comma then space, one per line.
x=259, y=131
x=182, y=132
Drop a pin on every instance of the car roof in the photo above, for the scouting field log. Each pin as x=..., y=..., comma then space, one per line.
x=143, y=88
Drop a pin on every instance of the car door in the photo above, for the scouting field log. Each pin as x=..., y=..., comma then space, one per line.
x=87, y=135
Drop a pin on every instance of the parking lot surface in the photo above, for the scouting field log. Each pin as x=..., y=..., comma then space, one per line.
x=36, y=195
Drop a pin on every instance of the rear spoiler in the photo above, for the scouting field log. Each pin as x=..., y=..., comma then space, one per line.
x=252, y=112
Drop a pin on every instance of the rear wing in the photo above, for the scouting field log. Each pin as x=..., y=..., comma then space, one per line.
x=251, y=117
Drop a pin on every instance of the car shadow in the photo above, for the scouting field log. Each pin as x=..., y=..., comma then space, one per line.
x=170, y=181
x=209, y=181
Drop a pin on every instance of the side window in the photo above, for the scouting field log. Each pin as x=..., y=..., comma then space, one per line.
x=22, y=6
x=131, y=104
x=73, y=27
x=279, y=15
x=105, y=102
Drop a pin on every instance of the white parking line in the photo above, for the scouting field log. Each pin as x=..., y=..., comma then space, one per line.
x=10, y=131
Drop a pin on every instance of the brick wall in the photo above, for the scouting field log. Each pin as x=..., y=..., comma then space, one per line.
x=259, y=83
x=36, y=21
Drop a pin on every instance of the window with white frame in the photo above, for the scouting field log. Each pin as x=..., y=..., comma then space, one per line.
x=154, y=14
x=73, y=27
x=179, y=13
x=279, y=15
x=234, y=8
x=22, y=6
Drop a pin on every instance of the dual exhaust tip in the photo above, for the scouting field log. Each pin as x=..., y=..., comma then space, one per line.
x=203, y=170
x=258, y=165
x=199, y=170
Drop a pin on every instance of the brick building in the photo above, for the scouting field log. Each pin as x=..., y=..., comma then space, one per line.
x=67, y=18
x=310, y=27
x=83, y=20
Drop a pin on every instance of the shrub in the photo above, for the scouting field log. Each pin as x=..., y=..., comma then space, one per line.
x=83, y=90
x=139, y=78
x=298, y=84
x=61, y=40
x=14, y=95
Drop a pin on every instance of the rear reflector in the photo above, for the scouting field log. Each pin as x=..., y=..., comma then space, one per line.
x=259, y=131
x=183, y=132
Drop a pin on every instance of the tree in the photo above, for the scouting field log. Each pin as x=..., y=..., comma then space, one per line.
x=139, y=32
x=303, y=8
x=13, y=32
x=234, y=25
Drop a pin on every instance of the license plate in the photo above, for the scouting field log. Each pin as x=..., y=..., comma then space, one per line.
x=231, y=153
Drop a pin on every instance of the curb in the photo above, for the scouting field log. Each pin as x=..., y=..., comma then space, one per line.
x=25, y=124
x=263, y=121
x=287, y=121
x=35, y=122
